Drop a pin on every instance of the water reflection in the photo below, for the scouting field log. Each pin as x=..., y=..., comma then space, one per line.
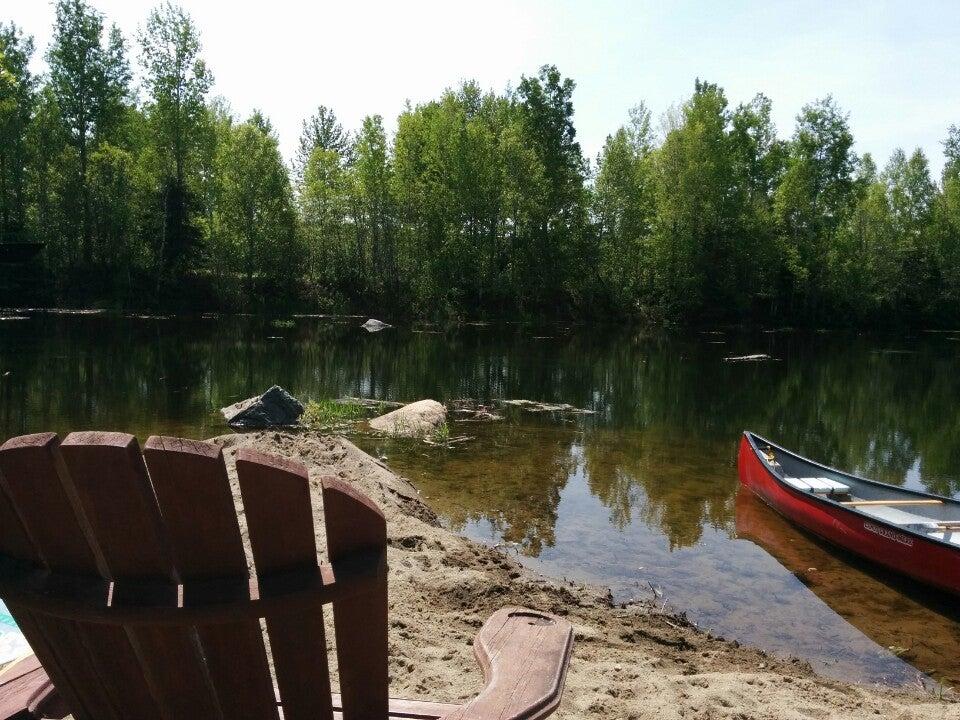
x=641, y=493
x=924, y=630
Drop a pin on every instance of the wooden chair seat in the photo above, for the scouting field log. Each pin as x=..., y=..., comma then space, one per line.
x=128, y=575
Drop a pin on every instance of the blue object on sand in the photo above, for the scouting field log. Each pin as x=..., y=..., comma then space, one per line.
x=12, y=642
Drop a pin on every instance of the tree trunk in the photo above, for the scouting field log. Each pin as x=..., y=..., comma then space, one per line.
x=86, y=229
x=5, y=207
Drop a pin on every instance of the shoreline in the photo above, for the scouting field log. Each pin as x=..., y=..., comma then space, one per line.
x=604, y=322
x=630, y=661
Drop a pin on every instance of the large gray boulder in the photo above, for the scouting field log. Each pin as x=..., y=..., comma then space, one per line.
x=414, y=420
x=275, y=408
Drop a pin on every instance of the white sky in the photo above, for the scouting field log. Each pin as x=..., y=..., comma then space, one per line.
x=892, y=65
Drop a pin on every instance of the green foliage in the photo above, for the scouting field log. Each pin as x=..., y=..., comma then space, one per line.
x=16, y=107
x=480, y=204
x=441, y=434
x=253, y=215
x=321, y=131
x=177, y=81
x=814, y=196
x=325, y=414
x=624, y=202
x=90, y=78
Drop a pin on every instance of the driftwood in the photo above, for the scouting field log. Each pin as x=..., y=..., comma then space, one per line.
x=758, y=357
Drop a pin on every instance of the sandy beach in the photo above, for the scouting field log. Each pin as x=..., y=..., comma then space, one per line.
x=632, y=662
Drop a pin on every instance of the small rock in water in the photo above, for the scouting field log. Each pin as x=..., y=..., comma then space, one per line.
x=373, y=325
x=275, y=408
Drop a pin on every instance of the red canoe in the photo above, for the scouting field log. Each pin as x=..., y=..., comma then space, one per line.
x=911, y=532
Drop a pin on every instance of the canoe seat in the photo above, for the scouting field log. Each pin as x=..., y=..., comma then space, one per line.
x=818, y=485
x=950, y=536
x=899, y=517
x=797, y=483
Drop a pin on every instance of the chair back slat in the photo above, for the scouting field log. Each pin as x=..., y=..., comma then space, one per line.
x=15, y=542
x=86, y=660
x=118, y=501
x=354, y=524
x=276, y=501
x=193, y=492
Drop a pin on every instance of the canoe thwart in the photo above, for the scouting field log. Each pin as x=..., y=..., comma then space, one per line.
x=858, y=503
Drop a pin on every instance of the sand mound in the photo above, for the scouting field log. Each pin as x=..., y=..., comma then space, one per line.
x=629, y=663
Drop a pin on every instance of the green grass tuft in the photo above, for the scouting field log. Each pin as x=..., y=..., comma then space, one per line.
x=441, y=435
x=329, y=413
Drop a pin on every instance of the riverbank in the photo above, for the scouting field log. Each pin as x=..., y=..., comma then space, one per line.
x=630, y=661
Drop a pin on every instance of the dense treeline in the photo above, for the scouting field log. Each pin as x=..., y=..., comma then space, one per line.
x=151, y=192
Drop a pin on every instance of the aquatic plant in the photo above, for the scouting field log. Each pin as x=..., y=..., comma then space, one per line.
x=321, y=414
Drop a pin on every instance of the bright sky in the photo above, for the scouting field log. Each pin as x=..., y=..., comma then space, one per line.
x=892, y=65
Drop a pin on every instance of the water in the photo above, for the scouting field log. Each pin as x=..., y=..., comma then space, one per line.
x=12, y=642
x=641, y=496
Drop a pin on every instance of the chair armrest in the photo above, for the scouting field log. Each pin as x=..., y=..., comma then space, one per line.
x=524, y=656
x=27, y=693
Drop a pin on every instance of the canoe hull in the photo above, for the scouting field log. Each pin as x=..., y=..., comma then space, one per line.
x=927, y=561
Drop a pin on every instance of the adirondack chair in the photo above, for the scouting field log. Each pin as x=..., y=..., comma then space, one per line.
x=128, y=576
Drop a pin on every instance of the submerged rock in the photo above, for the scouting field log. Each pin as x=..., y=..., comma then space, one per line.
x=275, y=408
x=533, y=406
x=372, y=325
x=414, y=420
x=469, y=410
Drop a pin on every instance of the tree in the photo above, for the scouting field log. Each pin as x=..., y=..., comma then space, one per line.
x=177, y=80
x=758, y=158
x=695, y=250
x=373, y=207
x=16, y=107
x=624, y=203
x=324, y=208
x=321, y=130
x=48, y=173
x=911, y=194
x=813, y=199
x=547, y=110
x=864, y=262
x=946, y=227
x=255, y=206
x=89, y=80
x=545, y=107
x=116, y=192
x=951, y=152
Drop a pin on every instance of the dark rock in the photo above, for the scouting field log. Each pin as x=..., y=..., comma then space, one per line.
x=275, y=408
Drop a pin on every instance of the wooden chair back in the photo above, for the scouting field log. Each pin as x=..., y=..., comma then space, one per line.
x=127, y=573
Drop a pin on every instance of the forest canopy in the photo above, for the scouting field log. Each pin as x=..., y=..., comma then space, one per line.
x=147, y=191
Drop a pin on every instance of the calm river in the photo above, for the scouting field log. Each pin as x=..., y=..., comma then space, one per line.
x=641, y=496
